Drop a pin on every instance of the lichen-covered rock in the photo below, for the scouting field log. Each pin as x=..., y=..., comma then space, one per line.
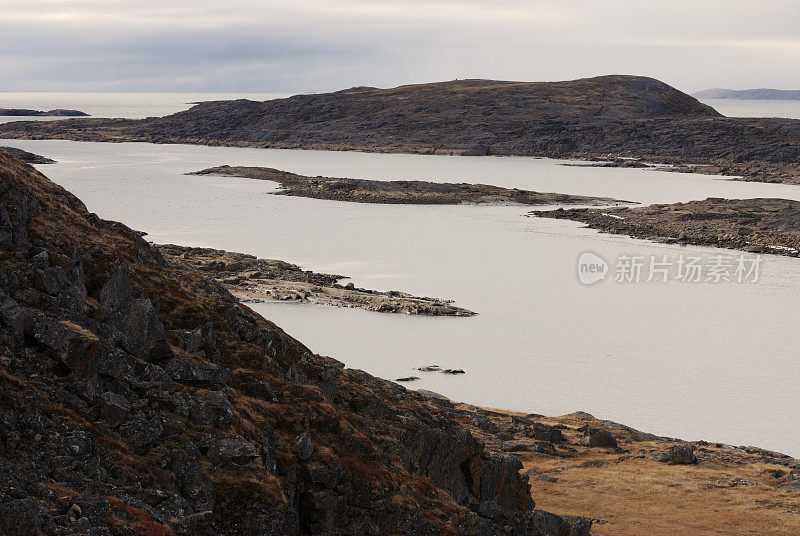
x=75, y=346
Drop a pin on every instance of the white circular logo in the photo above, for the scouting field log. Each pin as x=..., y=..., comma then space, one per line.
x=591, y=268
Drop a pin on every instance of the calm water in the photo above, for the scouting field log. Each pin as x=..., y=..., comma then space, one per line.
x=755, y=108
x=717, y=362
x=128, y=105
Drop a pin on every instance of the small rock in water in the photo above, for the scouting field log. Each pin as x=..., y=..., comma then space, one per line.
x=430, y=368
x=407, y=379
x=453, y=371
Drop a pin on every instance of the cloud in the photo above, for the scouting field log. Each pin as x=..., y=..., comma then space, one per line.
x=319, y=45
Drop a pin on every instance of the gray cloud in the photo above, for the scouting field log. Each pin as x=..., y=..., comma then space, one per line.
x=316, y=45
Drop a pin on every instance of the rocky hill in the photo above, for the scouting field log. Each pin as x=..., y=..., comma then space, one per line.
x=138, y=397
x=629, y=116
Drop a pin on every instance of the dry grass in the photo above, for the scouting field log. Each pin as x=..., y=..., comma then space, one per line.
x=729, y=492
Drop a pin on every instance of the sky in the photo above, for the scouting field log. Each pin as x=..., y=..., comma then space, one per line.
x=318, y=45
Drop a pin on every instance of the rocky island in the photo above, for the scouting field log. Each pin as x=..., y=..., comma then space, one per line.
x=254, y=279
x=622, y=116
x=753, y=225
x=22, y=112
x=401, y=192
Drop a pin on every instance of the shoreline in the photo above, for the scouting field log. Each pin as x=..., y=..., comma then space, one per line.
x=761, y=226
x=271, y=280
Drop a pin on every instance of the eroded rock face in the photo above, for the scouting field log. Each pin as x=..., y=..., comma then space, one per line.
x=238, y=429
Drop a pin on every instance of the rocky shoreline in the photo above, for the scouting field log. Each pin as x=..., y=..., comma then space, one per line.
x=401, y=192
x=752, y=225
x=140, y=398
x=253, y=279
x=22, y=112
x=27, y=157
x=622, y=116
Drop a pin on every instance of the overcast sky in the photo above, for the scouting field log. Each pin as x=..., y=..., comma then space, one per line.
x=319, y=45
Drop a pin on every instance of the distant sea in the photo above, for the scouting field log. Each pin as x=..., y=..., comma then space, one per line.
x=755, y=108
x=139, y=105
x=127, y=105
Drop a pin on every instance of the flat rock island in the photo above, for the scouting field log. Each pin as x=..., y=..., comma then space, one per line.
x=401, y=192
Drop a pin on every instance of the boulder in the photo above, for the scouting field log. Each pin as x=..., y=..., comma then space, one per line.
x=195, y=372
x=231, y=448
x=141, y=432
x=214, y=410
x=114, y=408
x=74, y=345
x=144, y=331
x=679, y=455
x=304, y=446
x=543, y=432
x=598, y=437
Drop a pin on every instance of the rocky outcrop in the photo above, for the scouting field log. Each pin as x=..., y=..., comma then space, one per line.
x=401, y=192
x=623, y=116
x=25, y=156
x=253, y=280
x=138, y=396
x=753, y=225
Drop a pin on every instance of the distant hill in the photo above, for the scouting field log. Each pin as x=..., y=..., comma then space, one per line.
x=631, y=116
x=749, y=94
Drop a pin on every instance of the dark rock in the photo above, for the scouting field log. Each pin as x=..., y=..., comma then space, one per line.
x=74, y=345
x=20, y=517
x=508, y=446
x=213, y=410
x=304, y=447
x=231, y=448
x=407, y=379
x=262, y=389
x=544, y=447
x=144, y=331
x=543, y=432
x=598, y=437
x=680, y=455
x=142, y=432
x=114, y=408
x=194, y=372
